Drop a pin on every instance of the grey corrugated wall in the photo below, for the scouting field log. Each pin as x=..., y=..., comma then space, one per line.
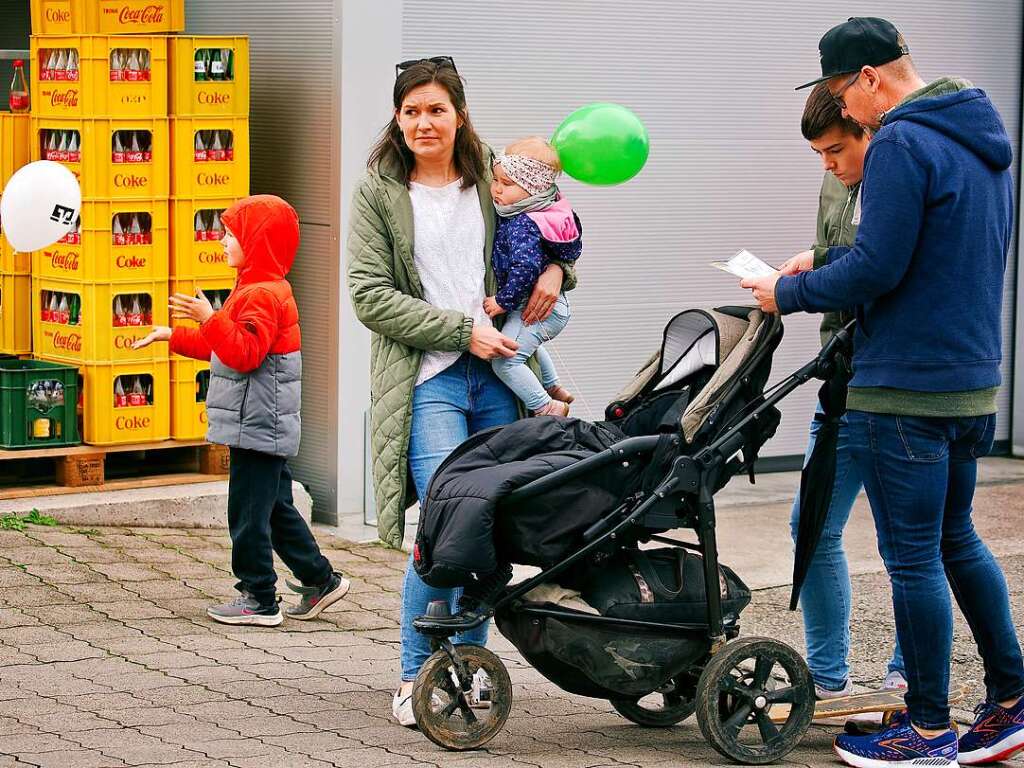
x=294, y=110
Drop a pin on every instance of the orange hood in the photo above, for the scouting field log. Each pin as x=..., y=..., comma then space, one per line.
x=267, y=228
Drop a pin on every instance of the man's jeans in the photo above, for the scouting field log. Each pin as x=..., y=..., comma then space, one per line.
x=464, y=398
x=515, y=372
x=825, y=598
x=262, y=520
x=920, y=474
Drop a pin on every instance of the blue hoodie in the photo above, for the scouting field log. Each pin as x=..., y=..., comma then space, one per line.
x=926, y=269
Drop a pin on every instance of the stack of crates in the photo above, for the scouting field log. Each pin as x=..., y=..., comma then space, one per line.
x=15, y=268
x=209, y=105
x=156, y=129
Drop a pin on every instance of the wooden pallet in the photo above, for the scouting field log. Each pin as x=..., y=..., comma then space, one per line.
x=83, y=468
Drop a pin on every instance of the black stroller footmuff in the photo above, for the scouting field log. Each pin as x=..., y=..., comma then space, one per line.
x=460, y=533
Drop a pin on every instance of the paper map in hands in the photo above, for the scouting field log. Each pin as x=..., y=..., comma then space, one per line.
x=745, y=264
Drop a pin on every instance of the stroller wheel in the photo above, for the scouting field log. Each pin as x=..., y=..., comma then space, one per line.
x=665, y=707
x=737, y=691
x=452, y=718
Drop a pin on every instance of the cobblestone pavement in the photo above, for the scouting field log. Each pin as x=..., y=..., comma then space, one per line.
x=107, y=659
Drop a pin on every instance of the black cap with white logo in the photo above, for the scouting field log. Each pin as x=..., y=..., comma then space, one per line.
x=858, y=42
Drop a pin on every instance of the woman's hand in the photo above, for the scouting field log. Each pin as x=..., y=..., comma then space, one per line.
x=492, y=307
x=487, y=343
x=545, y=294
x=802, y=262
x=159, y=333
x=184, y=307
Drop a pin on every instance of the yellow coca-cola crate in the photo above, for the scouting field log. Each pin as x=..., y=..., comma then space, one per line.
x=15, y=314
x=216, y=289
x=97, y=322
x=210, y=157
x=190, y=381
x=107, y=17
x=126, y=403
x=118, y=241
x=101, y=76
x=209, y=76
x=196, y=230
x=13, y=262
x=96, y=152
x=14, y=143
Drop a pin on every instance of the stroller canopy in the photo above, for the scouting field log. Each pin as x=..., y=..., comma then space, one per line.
x=723, y=338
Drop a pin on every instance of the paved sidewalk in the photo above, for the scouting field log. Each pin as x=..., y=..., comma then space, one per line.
x=107, y=659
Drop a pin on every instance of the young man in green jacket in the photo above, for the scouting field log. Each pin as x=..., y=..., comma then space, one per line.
x=825, y=598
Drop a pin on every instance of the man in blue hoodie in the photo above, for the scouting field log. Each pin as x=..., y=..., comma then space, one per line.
x=925, y=274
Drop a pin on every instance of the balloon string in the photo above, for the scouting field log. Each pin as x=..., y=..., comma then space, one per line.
x=563, y=368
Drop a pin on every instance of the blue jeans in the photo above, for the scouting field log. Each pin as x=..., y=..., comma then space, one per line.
x=514, y=371
x=920, y=474
x=825, y=597
x=464, y=398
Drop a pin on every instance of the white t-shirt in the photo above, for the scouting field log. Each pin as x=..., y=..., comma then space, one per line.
x=448, y=249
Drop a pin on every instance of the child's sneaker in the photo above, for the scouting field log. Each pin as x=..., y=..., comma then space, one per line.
x=316, y=599
x=997, y=734
x=898, y=745
x=245, y=609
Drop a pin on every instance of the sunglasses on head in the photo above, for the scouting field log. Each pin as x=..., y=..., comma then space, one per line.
x=438, y=61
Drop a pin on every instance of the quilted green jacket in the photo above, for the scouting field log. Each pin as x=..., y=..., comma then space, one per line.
x=388, y=299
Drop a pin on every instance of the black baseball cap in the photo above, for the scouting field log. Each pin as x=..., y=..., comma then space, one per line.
x=857, y=42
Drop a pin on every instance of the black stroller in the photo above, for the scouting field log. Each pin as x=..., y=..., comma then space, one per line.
x=661, y=638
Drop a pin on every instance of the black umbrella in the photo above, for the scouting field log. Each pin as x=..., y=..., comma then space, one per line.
x=819, y=474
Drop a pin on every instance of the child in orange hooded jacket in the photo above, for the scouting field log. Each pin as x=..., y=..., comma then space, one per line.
x=253, y=345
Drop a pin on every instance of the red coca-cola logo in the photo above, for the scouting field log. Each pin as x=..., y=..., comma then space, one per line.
x=131, y=422
x=69, y=342
x=212, y=179
x=206, y=97
x=66, y=260
x=151, y=14
x=125, y=342
x=213, y=257
x=131, y=262
x=68, y=98
x=58, y=14
x=130, y=180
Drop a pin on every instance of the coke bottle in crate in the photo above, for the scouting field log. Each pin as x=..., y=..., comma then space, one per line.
x=18, y=98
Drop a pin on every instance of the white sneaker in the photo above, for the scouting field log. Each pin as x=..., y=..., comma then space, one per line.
x=823, y=693
x=401, y=708
x=894, y=681
x=482, y=693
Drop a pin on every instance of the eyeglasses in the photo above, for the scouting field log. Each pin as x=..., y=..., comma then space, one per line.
x=438, y=61
x=837, y=97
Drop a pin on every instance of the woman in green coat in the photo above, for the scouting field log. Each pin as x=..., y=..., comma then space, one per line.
x=419, y=253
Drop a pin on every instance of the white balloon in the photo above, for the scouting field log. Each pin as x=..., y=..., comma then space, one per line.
x=39, y=205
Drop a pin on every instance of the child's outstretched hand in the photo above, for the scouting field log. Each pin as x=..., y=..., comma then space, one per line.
x=185, y=307
x=159, y=333
x=492, y=307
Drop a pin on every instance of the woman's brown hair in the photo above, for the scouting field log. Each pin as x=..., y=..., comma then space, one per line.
x=391, y=149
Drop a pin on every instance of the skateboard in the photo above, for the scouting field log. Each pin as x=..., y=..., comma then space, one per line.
x=885, y=702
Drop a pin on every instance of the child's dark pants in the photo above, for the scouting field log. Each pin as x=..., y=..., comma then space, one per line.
x=262, y=519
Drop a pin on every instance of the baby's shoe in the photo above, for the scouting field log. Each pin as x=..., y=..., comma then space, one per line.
x=553, y=408
x=558, y=392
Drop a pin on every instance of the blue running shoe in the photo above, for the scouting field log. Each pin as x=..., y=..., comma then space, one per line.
x=997, y=734
x=897, y=745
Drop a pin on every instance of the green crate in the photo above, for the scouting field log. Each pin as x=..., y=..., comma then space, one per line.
x=32, y=413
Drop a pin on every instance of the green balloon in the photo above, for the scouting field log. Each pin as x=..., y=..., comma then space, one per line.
x=602, y=144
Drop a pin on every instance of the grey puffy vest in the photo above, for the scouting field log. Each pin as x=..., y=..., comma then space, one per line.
x=258, y=410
